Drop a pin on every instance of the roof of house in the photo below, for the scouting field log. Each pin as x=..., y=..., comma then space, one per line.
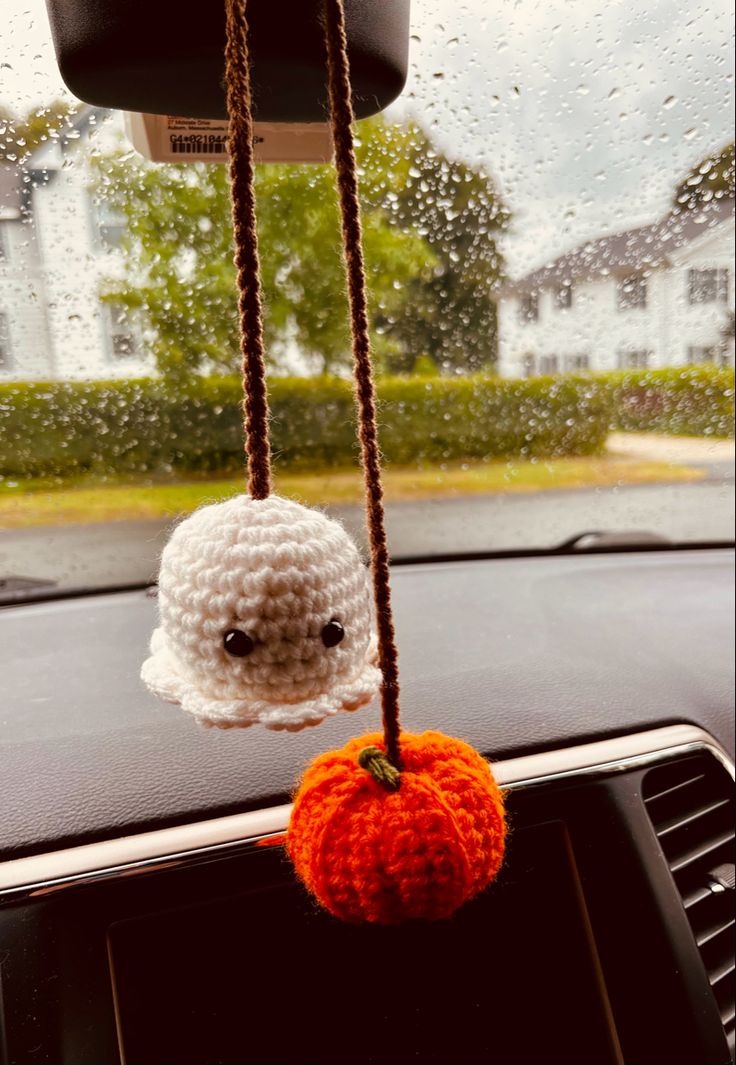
x=641, y=248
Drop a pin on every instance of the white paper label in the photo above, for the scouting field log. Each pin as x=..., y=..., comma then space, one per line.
x=171, y=139
x=198, y=137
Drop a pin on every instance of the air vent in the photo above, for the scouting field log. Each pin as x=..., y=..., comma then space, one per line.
x=691, y=804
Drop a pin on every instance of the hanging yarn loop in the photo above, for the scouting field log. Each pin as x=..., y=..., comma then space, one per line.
x=255, y=400
x=247, y=263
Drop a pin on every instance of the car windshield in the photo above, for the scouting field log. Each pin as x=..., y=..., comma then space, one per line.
x=549, y=231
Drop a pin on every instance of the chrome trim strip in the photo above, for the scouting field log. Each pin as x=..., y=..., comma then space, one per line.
x=204, y=841
x=609, y=756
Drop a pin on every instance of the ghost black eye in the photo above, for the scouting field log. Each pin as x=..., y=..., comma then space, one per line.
x=237, y=643
x=333, y=633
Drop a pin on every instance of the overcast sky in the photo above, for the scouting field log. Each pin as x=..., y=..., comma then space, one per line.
x=587, y=112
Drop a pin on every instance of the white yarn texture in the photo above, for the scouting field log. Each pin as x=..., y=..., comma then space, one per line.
x=278, y=572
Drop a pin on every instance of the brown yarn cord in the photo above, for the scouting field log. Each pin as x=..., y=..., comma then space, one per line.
x=245, y=234
x=255, y=403
x=365, y=394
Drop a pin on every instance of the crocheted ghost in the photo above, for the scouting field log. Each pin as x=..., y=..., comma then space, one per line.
x=265, y=617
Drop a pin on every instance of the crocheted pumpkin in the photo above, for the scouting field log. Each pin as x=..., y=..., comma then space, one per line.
x=265, y=617
x=375, y=845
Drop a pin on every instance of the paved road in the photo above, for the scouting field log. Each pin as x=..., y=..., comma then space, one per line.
x=127, y=552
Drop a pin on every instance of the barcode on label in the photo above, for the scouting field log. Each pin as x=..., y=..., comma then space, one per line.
x=198, y=147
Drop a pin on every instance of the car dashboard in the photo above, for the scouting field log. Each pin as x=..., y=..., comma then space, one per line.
x=148, y=912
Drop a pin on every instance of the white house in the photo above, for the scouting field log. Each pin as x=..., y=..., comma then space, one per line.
x=659, y=295
x=58, y=242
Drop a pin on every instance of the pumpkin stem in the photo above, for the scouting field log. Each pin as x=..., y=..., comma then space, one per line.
x=381, y=769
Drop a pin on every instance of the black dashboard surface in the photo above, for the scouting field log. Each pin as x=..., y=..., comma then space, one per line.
x=513, y=655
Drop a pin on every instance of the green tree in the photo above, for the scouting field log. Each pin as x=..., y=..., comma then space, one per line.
x=179, y=273
x=449, y=310
x=712, y=179
x=430, y=233
x=20, y=136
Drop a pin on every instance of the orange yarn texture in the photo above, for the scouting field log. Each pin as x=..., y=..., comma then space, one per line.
x=369, y=854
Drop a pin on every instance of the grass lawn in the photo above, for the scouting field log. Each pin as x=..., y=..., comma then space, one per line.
x=28, y=503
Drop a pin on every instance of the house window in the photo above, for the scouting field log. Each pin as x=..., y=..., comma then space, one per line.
x=575, y=363
x=548, y=364
x=5, y=353
x=529, y=307
x=632, y=292
x=528, y=364
x=125, y=339
x=563, y=296
x=703, y=353
x=707, y=286
x=111, y=224
x=635, y=359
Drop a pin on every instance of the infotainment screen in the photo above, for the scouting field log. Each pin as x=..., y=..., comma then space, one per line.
x=261, y=976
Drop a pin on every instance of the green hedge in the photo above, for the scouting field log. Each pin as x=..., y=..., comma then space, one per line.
x=688, y=400
x=64, y=429
x=141, y=426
